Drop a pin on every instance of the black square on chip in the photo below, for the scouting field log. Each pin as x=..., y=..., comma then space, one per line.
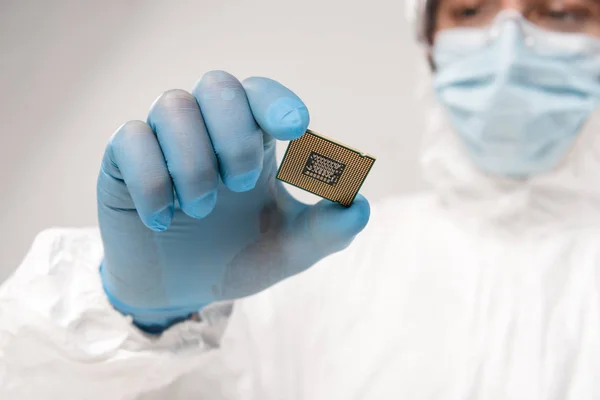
x=323, y=168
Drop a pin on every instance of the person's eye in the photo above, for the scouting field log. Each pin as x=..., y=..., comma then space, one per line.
x=471, y=13
x=569, y=16
x=467, y=12
x=565, y=16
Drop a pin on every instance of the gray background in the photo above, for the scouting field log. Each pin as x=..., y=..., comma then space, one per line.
x=71, y=72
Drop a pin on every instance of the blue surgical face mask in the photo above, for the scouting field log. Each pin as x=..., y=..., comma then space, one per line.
x=517, y=95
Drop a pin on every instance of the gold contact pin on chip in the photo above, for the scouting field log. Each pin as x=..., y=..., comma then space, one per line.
x=325, y=167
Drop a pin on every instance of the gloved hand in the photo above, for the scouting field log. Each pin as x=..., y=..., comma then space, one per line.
x=190, y=211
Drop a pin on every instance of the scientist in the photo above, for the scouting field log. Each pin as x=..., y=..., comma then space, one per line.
x=486, y=288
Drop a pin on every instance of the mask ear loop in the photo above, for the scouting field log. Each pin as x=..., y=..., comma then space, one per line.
x=430, y=59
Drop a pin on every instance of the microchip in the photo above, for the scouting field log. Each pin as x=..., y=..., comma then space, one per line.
x=325, y=167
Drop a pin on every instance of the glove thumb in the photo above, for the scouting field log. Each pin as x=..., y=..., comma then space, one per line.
x=328, y=227
x=315, y=232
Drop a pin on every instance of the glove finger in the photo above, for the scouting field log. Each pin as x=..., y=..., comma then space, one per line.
x=176, y=119
x=277, y=109
x=236, y=138
x=133, y=156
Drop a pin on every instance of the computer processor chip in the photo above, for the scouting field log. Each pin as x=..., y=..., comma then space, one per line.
x=325, y=167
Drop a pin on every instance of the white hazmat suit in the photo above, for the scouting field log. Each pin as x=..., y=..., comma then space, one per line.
x=486, y=288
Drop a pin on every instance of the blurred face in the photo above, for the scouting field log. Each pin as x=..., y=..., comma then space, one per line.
x=517, y=92
x=572, y=16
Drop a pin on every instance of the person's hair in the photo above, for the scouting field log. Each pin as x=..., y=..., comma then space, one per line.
x=431, y=8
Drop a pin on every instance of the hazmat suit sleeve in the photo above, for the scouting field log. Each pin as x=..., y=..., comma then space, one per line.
x=61, y=338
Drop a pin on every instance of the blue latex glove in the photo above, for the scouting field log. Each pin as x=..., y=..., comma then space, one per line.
x=190, y=211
